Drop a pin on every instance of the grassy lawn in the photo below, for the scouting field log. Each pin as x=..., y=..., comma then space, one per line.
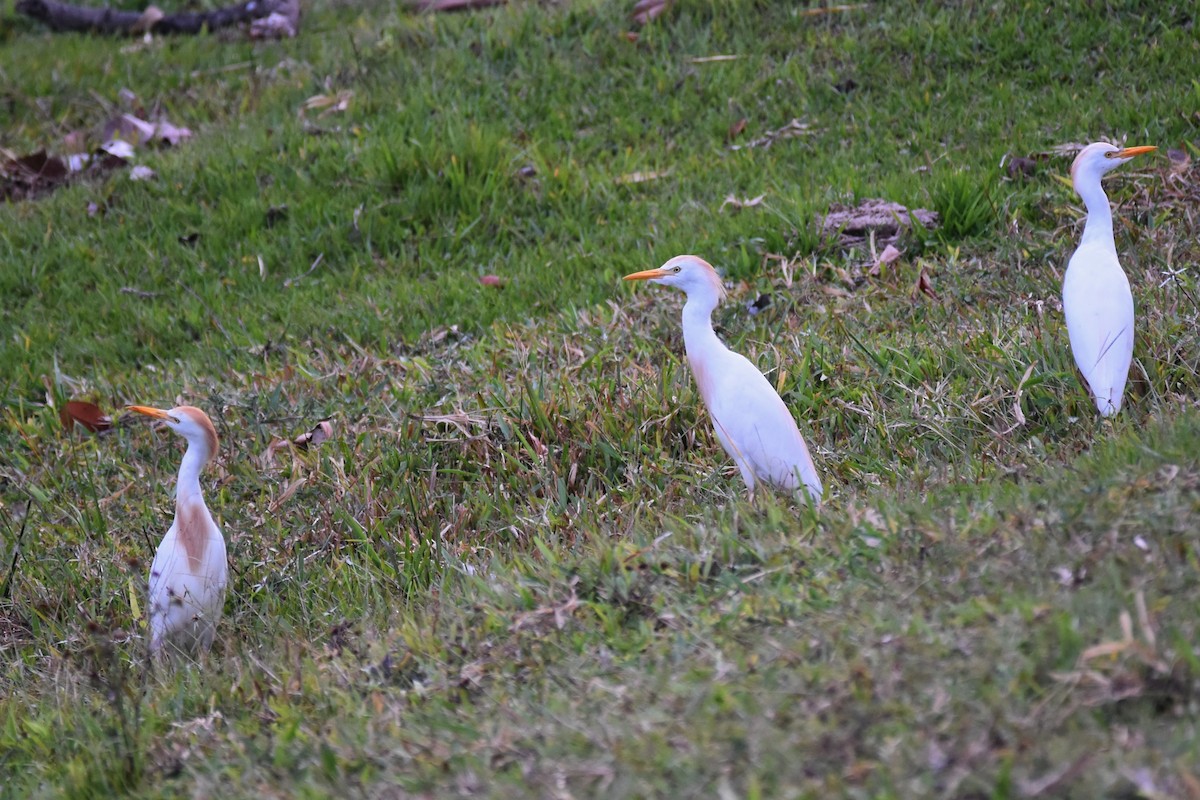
x=523, y=566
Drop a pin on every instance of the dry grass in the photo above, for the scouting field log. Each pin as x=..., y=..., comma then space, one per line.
x=521, y=563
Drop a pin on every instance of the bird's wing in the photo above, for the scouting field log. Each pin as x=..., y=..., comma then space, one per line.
x=753, y=418
x=1098, y=307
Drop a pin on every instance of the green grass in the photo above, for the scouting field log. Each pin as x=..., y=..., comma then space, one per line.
x=523, y=564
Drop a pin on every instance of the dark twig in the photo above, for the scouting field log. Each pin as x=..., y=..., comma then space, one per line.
x=453, y=5
x=12, y=567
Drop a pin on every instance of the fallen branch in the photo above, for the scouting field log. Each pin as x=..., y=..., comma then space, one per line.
x=63, y=17
x=888, y=220
x=453, y=5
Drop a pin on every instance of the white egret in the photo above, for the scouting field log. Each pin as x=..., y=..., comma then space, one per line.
x=1096, y=298
x=750, y=420
x=190, y=570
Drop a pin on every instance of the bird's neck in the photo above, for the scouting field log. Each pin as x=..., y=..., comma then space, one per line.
x=1099, y=226
x=698, y=333
x=187, y=487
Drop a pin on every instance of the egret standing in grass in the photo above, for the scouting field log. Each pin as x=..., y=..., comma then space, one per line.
x=190, y=571
x=750, y=420
x=1096, y=297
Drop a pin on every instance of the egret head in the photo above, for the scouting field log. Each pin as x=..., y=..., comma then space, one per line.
x=189, y=422
x=1100, y=157
x=692, y=274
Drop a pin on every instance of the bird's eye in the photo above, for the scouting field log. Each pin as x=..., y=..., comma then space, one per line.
x=676, y=269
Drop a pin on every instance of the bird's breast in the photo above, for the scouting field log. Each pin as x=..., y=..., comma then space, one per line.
x=192, y=527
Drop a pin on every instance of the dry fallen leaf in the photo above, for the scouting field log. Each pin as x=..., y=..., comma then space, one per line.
x=736, y=129
x=748, y=202
x=312, y=438
x=329, y=103
x=646, y=10
x=790, y=131
x=135, y=131
x=925, y=286
x=889, y=256
x=88, y=415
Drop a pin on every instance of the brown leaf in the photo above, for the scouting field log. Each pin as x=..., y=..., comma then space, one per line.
x=88, y=415
x=925, y=285
x=40, y=167
x=322, y=431
x=736, y=129
x=889, y=256
x=646, y=10
x=268, y=456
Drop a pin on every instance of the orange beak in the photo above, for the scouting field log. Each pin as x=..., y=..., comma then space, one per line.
x=646, y=275
x=157, y=413
x=1130, y=152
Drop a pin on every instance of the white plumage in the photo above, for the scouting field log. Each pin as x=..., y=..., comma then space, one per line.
x=750, y=419
x=1096, y=298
